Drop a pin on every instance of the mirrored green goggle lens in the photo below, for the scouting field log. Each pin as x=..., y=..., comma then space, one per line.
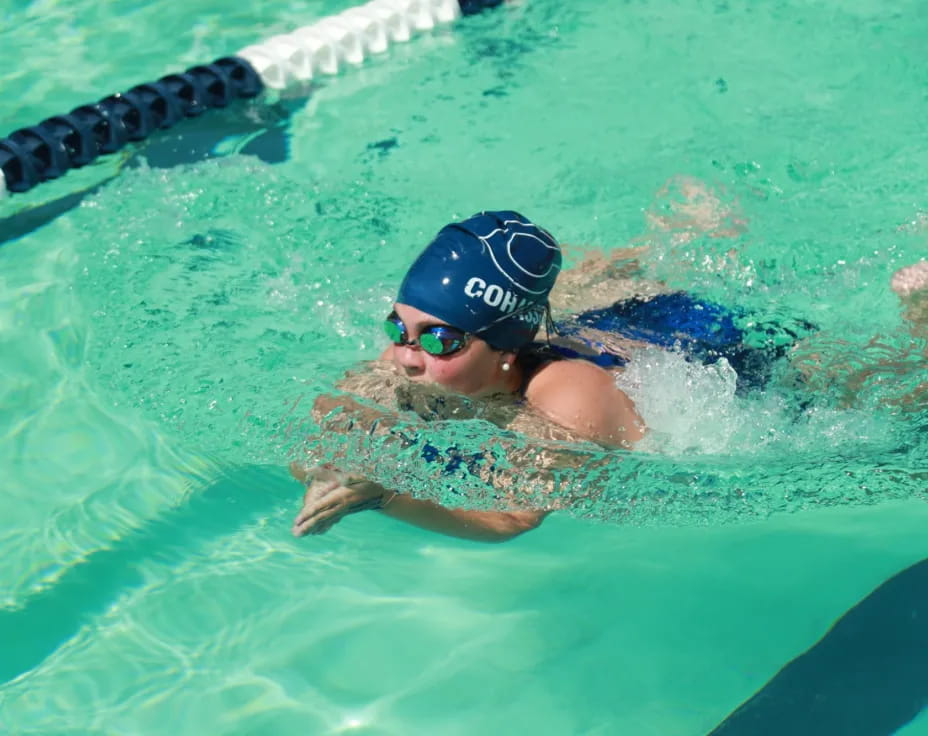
x=394, y=331
x=434, y=345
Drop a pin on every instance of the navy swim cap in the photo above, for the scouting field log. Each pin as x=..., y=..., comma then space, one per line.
x=489, y=275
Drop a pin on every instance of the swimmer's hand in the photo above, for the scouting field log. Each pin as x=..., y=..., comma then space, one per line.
x=330, y=496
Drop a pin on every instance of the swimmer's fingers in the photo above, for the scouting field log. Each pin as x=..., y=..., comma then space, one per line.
x=316, y=518
x=311, y=503
x=316, y=515
x=320, y=513
x=317, y=491
x=325, y=480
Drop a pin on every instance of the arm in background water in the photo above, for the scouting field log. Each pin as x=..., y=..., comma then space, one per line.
x=683, y=210
x=847, y=370
x=911, y=286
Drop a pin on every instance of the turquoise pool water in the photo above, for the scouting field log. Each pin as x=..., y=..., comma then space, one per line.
x=161, y=340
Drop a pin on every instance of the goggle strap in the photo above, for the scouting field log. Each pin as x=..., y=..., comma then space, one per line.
x=550, y=324
x=522, y=310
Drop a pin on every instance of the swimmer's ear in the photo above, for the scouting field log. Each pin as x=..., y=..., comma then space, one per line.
x=507, y=359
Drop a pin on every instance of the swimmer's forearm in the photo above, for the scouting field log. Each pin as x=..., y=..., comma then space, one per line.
x=477, y=526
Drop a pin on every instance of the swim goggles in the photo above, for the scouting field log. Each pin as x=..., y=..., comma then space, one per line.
x=435, y=339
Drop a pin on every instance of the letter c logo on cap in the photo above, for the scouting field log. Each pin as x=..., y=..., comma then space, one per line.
x=475, y=287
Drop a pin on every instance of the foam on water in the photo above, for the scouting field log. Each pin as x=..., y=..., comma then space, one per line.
x=687, y=407
x=693, y=409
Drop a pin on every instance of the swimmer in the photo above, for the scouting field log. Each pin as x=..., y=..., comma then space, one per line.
x=466, y=319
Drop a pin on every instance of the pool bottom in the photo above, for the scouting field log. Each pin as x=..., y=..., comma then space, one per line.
x=380, y=628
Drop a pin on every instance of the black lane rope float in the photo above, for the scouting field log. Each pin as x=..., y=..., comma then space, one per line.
x=45, y=151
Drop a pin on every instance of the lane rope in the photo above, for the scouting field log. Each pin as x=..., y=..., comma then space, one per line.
x=283, y=63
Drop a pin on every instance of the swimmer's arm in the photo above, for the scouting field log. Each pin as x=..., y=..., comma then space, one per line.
x=329, y=501
x=577, y=395
x=583, y=398
x=843, y=370
x=477, y=526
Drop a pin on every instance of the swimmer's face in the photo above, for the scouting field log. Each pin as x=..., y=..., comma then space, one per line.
x=473, y=371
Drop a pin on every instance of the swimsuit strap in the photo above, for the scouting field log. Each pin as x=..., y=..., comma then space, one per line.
x=532, y=358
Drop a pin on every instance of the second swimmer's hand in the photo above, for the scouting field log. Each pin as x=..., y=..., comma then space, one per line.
x=330, y=497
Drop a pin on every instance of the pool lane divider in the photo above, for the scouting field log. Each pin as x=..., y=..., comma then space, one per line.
x=283, y=63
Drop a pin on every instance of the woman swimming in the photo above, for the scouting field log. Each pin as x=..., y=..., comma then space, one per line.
x=465, y=320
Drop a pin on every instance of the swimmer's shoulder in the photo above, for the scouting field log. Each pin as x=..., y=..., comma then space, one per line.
x=584, y=397
x=567, y=377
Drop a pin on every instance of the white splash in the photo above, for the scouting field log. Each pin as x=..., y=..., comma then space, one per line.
x=687, y=407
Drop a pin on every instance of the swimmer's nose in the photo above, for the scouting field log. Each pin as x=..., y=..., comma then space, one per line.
x=409, y=359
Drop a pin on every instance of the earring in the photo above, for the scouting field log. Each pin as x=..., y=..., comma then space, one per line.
x=505, y=366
